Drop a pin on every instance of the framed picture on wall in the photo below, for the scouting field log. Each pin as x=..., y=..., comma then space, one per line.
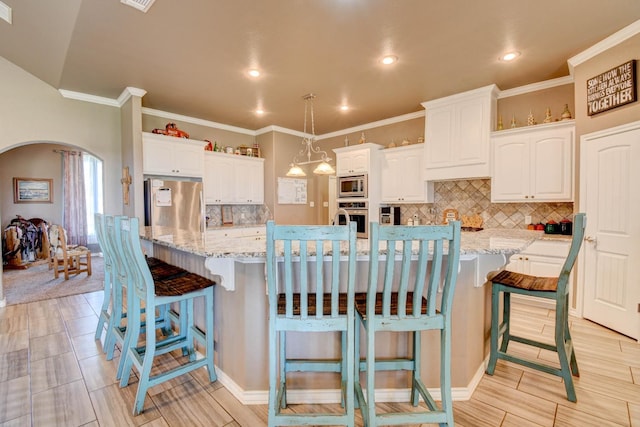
x=32, y=190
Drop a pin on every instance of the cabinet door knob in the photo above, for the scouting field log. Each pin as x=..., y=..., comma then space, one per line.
x=533, y=197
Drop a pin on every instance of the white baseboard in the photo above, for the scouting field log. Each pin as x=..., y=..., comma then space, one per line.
x=319, y=396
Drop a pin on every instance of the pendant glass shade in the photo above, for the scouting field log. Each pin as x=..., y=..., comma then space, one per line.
x=296, y=171
x=324, y=168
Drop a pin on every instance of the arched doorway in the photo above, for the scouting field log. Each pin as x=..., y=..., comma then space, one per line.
x=42, y=159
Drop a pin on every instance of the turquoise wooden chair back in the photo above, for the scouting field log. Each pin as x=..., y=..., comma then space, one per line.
x=309, y=247
x=99, y=220
x=433, y=249
x=579, y=224
x=136, y=264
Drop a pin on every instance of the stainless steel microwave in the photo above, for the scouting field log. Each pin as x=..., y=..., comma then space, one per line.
x=352, y=186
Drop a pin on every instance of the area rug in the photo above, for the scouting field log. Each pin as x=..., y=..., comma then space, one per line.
x=37, y=283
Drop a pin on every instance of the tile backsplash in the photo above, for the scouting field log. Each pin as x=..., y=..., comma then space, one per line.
x=242, y=214
x=473, y=196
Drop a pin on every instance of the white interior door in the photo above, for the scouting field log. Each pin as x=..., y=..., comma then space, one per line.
x=610, y=174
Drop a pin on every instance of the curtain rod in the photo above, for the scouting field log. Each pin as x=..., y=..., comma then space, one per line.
x=67, y=151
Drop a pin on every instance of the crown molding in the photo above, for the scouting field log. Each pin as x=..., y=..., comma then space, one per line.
x=79, y=96
x=187, y=119
x=533, y=87
x=611, y=41
x=128, y=92
x=274, y=128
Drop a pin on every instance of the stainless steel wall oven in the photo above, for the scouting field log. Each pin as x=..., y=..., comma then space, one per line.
x=358, y=213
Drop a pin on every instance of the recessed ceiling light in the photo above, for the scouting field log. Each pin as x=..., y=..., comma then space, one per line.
x=510, y=56
x=389, y=59
x=254, y=73
x=344, y=107
x=259, y=111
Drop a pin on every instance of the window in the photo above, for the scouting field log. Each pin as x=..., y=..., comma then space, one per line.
x=93, y=193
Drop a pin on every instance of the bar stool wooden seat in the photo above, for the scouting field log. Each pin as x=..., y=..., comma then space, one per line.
x=183, y=290
x=551, y=288
x=418, y=262
x=311, y=286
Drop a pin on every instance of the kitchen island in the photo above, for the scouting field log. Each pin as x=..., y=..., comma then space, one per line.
x=235, y=259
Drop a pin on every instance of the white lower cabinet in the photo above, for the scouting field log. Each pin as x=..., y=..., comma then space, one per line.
x=230, y=179
x=402, y=176
x=533, y=164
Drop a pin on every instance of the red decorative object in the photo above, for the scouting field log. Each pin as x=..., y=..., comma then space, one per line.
x=209, y=146
x=171, y=130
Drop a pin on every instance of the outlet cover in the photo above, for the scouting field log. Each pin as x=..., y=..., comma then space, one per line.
x=312, y=204
x=527, y=219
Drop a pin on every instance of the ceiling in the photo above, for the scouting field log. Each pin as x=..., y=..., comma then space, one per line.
x=191, y=56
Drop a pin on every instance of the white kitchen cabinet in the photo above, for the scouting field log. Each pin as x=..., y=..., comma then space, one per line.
x=231, y=179
x=457, y=129
x=171, y=156
x=533, y=164
x=402, y=176
x=354, y=160
x=249, y=181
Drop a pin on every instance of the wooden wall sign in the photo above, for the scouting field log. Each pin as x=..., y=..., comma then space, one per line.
x=612, y=89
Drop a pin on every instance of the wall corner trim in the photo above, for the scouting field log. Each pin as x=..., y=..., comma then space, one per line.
x=611, y=41
x=128, y=92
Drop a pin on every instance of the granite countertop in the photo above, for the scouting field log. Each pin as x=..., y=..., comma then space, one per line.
x=213, y=244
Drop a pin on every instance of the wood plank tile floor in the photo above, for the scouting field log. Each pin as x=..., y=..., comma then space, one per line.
x=53, y=373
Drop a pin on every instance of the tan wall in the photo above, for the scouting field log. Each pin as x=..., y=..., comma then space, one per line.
x=535, y=103
x=383, y=135
x=33, y=112
x=31, y=161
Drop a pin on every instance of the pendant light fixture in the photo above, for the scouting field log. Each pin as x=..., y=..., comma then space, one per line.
x=308, y=149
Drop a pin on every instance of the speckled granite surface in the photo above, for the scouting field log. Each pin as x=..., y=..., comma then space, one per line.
x=218, y=243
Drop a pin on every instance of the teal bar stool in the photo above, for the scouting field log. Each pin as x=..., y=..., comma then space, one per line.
x=553, y=288
x=105, y=315
x=183, y=290
x=417, y=262
x=311, y=286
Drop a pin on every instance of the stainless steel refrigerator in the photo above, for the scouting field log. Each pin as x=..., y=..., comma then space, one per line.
x=174, y=203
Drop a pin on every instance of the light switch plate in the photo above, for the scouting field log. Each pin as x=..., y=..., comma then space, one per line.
x=312, y=204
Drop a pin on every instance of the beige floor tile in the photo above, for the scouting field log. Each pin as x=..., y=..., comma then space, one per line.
x=22, y=421
x=514, y=401
x=634, y=414
x=158, y=422
x=588, y=402
x=44, y=308
x=86, y=346
x=13, y=324
x=82, y=325
x=507, y=374
x=98, y=372
x=114, y=407
x=15, y=401
x=65, y=405
x=202, y=376
x=13, y=342
x=54, y=371
x=635, y=372
x=41, y=326
x=49, y=345
x=71, y=300
x=11, y=311
x=239, y=412
x=475, y=413
x=189, y=404
x=511, y=420
x=609, y=387
x=14, y=364
x=77, y=310
x=570, y=417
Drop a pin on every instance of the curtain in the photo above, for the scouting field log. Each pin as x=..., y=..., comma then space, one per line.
x=75, y=209
x=93, y=193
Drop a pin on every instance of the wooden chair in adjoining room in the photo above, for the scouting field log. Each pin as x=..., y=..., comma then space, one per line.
x=418, y=263
x=311, y=286
x=64, y=258
x=143, y=290
x=552, y=288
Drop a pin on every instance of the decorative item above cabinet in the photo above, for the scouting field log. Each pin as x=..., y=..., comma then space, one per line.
x=457, y=132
